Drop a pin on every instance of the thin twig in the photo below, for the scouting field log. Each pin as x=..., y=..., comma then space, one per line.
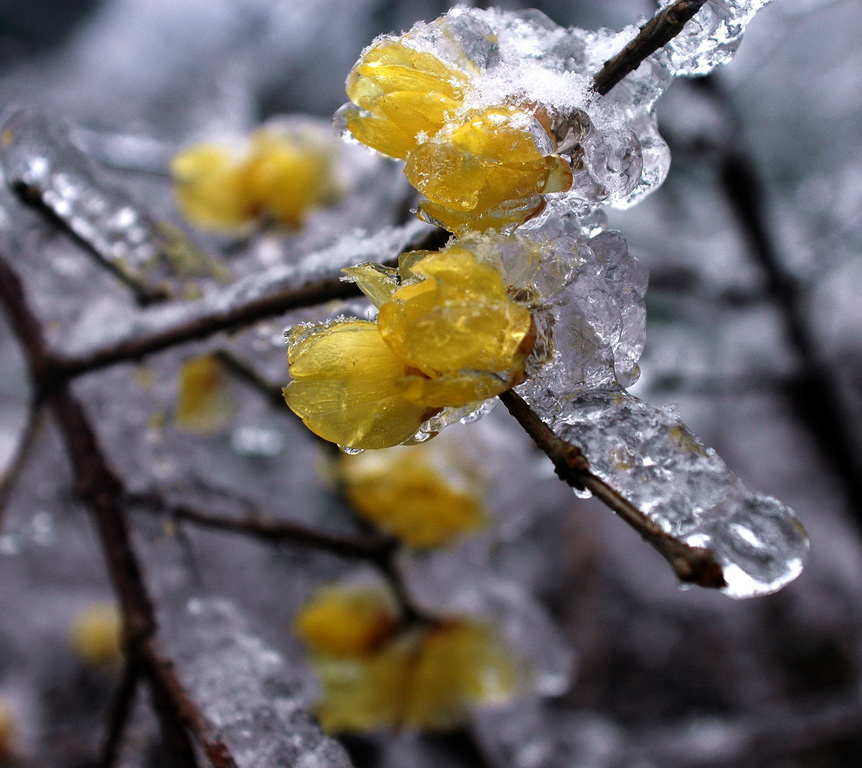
x=658, y=31
x=32, y=429
x=118, y=714
x=696, y=565
x=248, y=374
x=269, y=529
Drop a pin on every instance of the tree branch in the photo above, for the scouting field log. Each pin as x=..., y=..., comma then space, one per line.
x=31, y=432
x=658, y=31
x=118, y=714
x=270, y=529
x=102, y=491
x=309, y=294
x=695, y=565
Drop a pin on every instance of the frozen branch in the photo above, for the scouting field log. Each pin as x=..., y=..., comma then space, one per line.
x=102, y=491
x=658, y=31
x=234, y=317
x=695, y=565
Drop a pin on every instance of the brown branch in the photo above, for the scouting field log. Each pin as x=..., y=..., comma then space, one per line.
x=696, y=565
x=658, y=31
x=102, y=492
x=270, y=529
x=118, y=715
x=309, y=294
x=31, y=432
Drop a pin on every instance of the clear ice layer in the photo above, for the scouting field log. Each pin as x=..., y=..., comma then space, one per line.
x=249, y=693
x=523, y=58
x=37, y=154
x=653, y=459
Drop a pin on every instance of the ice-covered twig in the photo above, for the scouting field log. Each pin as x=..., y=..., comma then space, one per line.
x=32, y=428
x=695, y=565
x=658, y=31
x=228, y=317
x=101, y=490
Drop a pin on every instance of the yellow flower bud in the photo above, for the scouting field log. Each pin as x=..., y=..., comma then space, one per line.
x=204, y=403
x=95, y=634
x=426, y=495
x=346, y=621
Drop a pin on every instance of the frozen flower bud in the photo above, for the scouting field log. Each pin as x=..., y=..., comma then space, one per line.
x=480, y=168
x=346, y=621
x=447, y=336
x=95, y=635
x=426, y=495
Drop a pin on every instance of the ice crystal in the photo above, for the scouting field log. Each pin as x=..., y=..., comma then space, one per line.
x=39, y=156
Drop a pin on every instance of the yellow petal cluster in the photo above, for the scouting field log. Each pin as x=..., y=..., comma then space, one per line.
x=95, y=634
x=279, y=177
x=344, y=621
x=204, y=403
x=422, y=679
x=479, y=169
x=413, y=492
x=447, y=335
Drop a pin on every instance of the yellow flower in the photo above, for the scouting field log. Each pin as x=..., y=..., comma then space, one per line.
x=423, y=679
x=447, y=336
x=402, y=93
x=281, y=176
x=480, y=169
x=342, y=621
x=95, y=634
x=425, y=495
x=204, y=404
x=345, y=386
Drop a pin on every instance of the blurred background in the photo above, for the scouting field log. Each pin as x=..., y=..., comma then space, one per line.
x=754, y=332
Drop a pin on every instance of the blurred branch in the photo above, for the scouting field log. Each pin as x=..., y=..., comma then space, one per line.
x=658, y=31
x=269, y=529
x=756, y=738
x=696, y=565
x=812, y=393
x=32, y=429
x=118, y=714
x=248, y=374
x=102, y=491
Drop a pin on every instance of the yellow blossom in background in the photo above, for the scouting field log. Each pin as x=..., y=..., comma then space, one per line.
x=280, y=176
x=95, y=634
x=425, y=495
x=424, y=679
x=447, y=335
x=480, y=169
x=346, y=621
x=204, y=402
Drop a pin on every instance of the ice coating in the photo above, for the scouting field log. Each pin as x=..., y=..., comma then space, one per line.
x=38, y=155
x=650, y=456
x=252, y=696
x=525, y=60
